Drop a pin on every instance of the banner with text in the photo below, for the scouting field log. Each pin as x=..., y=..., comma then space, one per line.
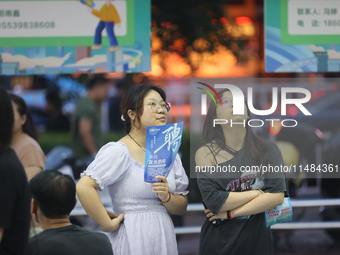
x=302, y=36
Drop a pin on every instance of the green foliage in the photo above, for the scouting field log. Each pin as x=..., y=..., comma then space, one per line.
x=48, y=140
x=112, y=137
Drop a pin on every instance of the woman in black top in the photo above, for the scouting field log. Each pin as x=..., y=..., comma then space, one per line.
x=15, y=199
x=237, y=193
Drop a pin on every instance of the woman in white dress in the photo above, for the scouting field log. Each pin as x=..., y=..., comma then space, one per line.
x=119, y=166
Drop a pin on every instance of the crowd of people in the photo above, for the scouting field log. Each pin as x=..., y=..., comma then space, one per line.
x=140, y=221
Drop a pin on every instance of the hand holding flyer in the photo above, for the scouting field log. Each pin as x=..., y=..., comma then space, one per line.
x=162, y=144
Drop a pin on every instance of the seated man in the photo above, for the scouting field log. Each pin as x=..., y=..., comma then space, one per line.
x=53, y=199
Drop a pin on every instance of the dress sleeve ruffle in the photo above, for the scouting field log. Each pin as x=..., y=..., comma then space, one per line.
x=109, y=165
x=181, y=178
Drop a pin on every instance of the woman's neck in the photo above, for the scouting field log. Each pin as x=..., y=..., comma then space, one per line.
x=139, y=136
x=234, y=137
x=16, y=135
x=55, y=223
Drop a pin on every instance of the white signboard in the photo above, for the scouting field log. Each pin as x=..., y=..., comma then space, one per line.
x=314, y=17
x=54, y=19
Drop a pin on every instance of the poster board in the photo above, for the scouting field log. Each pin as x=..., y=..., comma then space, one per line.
x=302, y=36
x=43, y=37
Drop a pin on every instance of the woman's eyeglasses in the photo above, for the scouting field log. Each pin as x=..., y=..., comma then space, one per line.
x=227, y=101
x=164, y=106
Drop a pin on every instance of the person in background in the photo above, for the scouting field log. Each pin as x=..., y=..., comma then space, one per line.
x=14, y=192
x=119, y=166
x=25, y=144
x=58, y=122
x=115, y=121
x=86, y=134
x=53, y=199
x=25, y=137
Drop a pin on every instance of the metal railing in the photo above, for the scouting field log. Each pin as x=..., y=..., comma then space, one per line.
x=79, y=211
x=290, y=225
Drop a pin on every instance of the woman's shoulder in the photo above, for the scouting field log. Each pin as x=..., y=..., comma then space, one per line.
x=208, y=147
x=118, y=147
x=203, y=151
x=271, y=147
x=109, y=165
x=112, y=154
x=25, y=142
x=208, y=150
x=204, y=155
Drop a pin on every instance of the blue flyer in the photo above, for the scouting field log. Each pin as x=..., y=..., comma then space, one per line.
x=162, y=144
x=281, y=214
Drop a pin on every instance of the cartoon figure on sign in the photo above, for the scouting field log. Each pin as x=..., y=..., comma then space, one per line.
x=88, y=3
x=108, y=16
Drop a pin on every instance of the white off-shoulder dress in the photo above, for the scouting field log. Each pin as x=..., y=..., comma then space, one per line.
x=147, y=227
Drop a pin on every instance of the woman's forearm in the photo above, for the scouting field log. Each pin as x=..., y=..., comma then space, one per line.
x=237, y=199
x=264, y=202
x=93, y=206
x=177, y=204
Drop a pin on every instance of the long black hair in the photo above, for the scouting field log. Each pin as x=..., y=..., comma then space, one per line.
x=28, y=127
x=254, y=146
x=7, y=120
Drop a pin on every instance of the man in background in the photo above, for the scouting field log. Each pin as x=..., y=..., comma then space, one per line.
x=53, y=199
x=86, y=134
x=116, y=124
x=57, y=122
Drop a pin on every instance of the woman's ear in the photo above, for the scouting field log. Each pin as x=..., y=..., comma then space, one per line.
x=23, y=119
x=131, y=114
x=34, y=210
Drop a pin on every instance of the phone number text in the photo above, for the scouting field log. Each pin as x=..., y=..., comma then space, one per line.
x=27, y=25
